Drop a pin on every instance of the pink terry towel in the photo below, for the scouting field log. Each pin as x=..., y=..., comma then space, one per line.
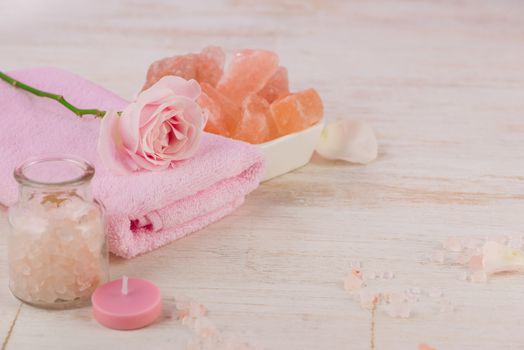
x=144, y=210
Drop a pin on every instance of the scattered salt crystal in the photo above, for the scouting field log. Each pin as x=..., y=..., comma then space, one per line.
x=437, y=256
x=434, y=292
x=368, y=299
x=353, y=282
x=415, y=290
x=398, y=310
x=387, y=275
x=395, y=298
x=475, y=263
x=356, y=265
x=453, y=244
x=371, y=275
x=356, y=272
x=479, y=277
x=462, y=259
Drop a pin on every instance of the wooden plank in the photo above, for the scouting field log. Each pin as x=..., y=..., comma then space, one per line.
x=441, y=82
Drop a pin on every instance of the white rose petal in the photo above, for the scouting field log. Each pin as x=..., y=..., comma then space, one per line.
x=497, y=257
x=349, y=140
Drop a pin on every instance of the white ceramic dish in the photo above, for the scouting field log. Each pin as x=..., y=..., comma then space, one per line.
x=290, y=152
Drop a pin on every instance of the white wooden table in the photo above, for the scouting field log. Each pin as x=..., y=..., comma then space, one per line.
x=442, y=82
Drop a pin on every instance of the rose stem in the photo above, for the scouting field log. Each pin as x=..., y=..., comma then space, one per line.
x=79, y=112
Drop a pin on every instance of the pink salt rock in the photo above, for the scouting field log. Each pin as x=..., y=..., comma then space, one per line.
x=210, y=65
x=205, y=67
x=247, y=74
x=182, y=66
x=215, y=120
x=277, y=86
x=297, y=111
x=253, y=127
x=224, y=116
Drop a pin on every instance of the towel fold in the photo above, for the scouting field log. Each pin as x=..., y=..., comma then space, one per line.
x=144, y=210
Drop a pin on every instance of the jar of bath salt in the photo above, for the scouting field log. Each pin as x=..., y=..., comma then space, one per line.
x=57, y=251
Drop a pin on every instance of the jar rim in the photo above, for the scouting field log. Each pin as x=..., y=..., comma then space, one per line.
x=87, y=171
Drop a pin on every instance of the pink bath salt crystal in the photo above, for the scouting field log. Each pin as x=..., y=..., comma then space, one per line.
x=205, y=328
x=253, y=126
x=479, y=277
x=387, y=275
x=182, y=66
x=398, y=310
x=425, y=347
x=434, y=293
x=247, y=74
x=277, y=86
x=453, y=244
x=357, y=272
x=371, y=275
x=196, y=310
x=352, y=282
x=475, y=263
x=369, y=300
x=210, y=65
x=395, y=298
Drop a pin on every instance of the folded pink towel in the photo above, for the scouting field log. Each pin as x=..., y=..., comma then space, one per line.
x=144, y=210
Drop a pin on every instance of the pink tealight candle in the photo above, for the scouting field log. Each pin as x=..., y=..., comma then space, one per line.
x=127, y=303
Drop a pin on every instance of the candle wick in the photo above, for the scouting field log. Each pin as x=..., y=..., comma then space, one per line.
x=124, y=285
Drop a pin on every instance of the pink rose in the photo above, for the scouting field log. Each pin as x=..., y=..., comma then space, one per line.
x=163, y=125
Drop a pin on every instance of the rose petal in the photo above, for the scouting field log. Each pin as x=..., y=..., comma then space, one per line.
x=497, y=257
x=352, y=141
x=110, y=146
x=179, y=86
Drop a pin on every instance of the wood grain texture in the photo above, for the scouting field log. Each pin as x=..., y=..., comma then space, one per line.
x=442, y=82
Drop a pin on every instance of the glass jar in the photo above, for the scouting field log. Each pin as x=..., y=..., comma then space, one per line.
x=57, y=251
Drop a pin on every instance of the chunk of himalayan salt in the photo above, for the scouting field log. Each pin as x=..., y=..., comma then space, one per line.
x=253, y=126
x=223, y=114
x=349, y=140
x=497, y=257
x=248, y=73
x=210, y=65
x=276, y=87
x=181, y=66
x=205, y=67
x=297, y=111
x=56, y=251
